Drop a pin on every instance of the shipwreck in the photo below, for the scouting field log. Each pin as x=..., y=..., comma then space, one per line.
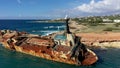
x=70, y=50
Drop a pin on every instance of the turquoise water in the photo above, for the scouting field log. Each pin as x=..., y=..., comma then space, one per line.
x=108, y=58
x=60, y=37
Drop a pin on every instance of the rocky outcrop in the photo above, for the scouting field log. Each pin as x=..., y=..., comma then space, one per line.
x=107, y=44
x=106, y=39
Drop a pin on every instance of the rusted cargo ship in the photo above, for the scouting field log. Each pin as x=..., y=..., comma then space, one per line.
x=70, y=50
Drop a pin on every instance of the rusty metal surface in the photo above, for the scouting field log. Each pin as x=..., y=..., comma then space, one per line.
x=45, y=47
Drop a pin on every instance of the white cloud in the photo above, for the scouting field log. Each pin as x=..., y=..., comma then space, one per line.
x=99, y=7
x=19, y=1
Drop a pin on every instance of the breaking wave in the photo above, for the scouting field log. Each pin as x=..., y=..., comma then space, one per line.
x=49, y=30
x=49, y=27
x=45, y=32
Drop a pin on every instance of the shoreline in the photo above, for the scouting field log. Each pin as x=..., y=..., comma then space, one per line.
x=103, y=40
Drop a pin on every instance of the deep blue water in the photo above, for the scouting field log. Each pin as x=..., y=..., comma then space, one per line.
x=32, y=26
x=108, y=58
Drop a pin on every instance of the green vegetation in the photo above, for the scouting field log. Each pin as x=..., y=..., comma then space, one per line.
x=100, y=28
x=96, y=19
x=117, y=24
x=110, y=29
x=96, y=23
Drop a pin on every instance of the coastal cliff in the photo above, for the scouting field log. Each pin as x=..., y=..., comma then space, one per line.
x=106, y=39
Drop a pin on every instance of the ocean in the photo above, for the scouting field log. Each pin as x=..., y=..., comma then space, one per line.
x=108, y=57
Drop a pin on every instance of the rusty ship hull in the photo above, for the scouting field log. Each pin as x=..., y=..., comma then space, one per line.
x=45, y=47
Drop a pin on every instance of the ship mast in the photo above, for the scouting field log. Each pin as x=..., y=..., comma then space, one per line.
x=67, y=26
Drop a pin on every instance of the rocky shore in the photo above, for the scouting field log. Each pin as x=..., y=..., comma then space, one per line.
x=106, y=39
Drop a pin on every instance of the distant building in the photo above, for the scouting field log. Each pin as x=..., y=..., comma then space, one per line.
x=107, y=20
x=117, y=21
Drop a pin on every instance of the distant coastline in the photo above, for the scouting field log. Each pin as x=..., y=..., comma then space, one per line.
x=49, y=21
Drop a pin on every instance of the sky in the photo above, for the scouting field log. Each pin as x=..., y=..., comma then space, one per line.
x=41, y=9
